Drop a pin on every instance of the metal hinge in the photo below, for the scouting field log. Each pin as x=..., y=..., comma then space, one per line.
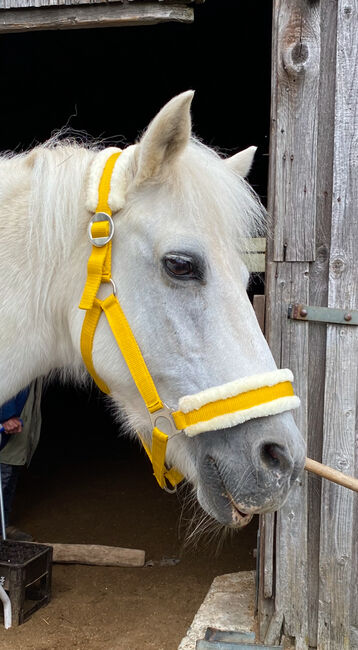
x=323, y=314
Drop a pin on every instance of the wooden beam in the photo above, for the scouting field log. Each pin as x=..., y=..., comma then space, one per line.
x=97, y=555
x=94, y=15
x=27, y=4
x=296, y=65
x=288, y=341
x=318, y=291
x=338, y=589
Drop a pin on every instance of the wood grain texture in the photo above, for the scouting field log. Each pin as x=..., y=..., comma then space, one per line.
x=25, y=4
x=318, y=291
x=94, y=15
x=259, y=308
x=296, y=64
x=350, y=482
x=289, y=344
x=97, y=555
x=338, y=563
x=324, y=358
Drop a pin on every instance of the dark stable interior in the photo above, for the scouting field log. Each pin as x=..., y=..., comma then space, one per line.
x=109, y=83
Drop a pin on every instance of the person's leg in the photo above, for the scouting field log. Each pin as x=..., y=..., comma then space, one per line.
x=9, y=476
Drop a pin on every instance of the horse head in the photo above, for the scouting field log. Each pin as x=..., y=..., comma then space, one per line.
x=182, y=216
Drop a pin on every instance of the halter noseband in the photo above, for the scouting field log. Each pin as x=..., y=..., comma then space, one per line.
x=214, y=408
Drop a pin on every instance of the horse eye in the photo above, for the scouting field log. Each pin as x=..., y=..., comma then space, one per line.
x=182, y=267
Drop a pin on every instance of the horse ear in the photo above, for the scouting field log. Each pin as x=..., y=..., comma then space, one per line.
x=241, y=162
x=165, y=138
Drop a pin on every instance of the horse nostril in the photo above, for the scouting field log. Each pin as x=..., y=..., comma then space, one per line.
x=275, y=456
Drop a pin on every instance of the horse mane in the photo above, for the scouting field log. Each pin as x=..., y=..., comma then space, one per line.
x=232, y=210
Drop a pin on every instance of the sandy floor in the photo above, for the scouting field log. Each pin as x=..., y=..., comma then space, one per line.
x=116, y=501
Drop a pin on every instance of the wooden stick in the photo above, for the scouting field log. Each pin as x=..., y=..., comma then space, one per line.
x=331, y=474
x=98, y=555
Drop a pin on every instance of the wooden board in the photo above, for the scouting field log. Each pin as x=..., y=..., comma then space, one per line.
x=318, y=292
x=26, y=4
x=289, y=343
x=315, y=570
x=295, y=75
x=259, y=308
x=338, y=565
x=97, y=555
x=93, y=15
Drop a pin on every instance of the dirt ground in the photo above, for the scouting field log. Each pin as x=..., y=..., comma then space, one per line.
x=114, y=500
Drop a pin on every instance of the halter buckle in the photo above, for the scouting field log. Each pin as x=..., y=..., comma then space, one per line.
x=162, y=419
x=101, y=241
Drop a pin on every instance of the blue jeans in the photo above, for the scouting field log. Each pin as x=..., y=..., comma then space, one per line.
x=9, y=476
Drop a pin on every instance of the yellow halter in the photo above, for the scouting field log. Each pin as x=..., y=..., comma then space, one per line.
x=211, y=409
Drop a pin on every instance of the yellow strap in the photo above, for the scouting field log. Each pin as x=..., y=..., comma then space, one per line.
x=87, y=335
x=239, y=402
x=99, y=263
x=159, y=439
x=98, y=271
x=98, y=267
x=105, y=184
x=157, y=458
x=131, y=353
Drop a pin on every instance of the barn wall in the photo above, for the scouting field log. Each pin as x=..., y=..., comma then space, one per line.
x=308, y=585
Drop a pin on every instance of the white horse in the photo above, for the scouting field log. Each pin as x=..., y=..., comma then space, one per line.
x=181, y=279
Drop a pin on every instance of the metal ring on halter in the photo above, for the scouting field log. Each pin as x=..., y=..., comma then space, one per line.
x=163, y=420
x=101, y=241
x=113, y=286
x=170, y=490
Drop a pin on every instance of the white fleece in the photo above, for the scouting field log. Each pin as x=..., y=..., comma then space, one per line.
x=190, y=402
x=227, y=420
x=118, y=186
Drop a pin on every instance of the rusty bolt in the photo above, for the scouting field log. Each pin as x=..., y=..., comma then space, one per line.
x=347, y=317
x=303, y=313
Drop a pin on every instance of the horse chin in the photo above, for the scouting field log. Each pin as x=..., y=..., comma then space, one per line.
x=222, y=507
x=239, y=519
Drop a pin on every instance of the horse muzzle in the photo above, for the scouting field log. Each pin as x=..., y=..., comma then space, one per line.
x=248, y=469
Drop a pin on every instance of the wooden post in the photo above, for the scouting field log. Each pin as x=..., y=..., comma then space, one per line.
x=337, y=610
x=312, y=255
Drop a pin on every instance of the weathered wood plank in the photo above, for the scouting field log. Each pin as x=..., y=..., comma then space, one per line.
x=259, y=308
x=266, y=604
x=289, y=343
x=319, y=296
x=296, y=60
x=254, y=255
x=97, y=555
x=25, y=4
x=94, y=15
x=338, y=566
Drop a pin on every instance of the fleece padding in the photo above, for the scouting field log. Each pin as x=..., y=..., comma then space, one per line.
x=242, y=385
x=119, y=179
